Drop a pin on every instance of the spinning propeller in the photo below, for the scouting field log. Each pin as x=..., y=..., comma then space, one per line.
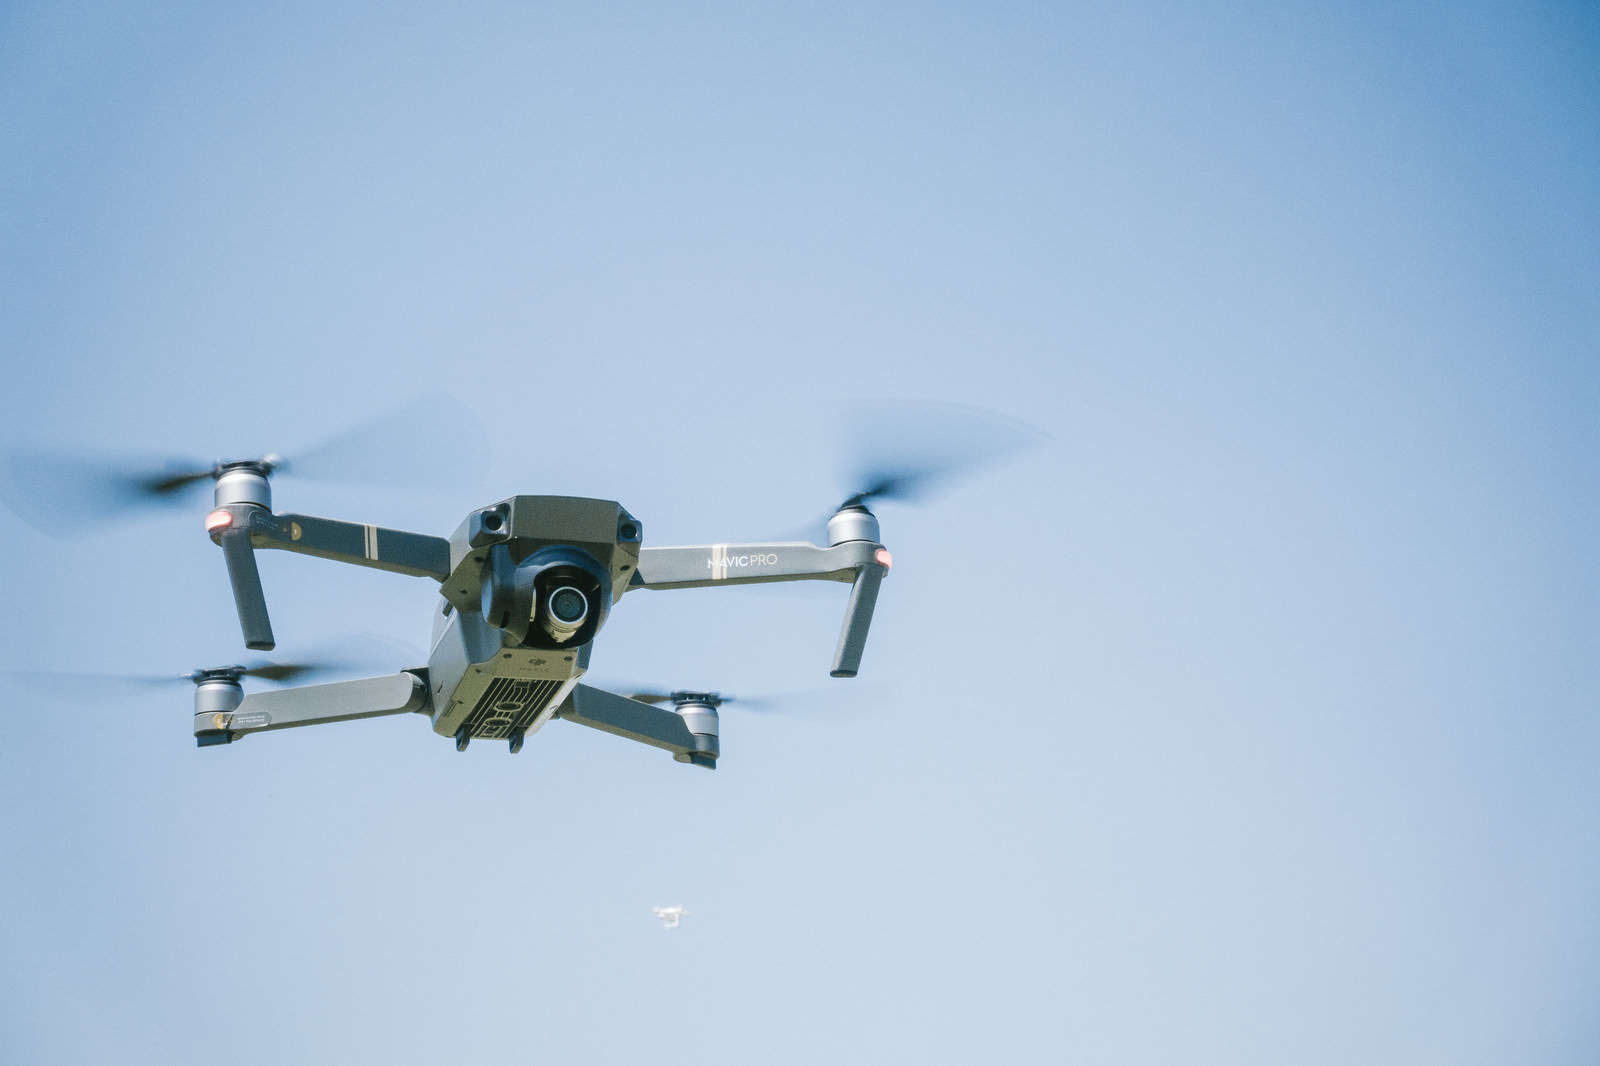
x=70, y=684
x=685, y=696
x=431, y=442
x=907, y=452
x=803, y=702
x=904, y=451
x=63, y=495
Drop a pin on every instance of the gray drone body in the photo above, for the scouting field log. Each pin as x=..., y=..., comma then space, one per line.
x=526, y=586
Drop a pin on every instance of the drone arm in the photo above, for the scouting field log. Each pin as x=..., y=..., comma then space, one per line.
x=857, y=619
x=394, y=550
x=247, y=595
x=623, y=717
x=704, y=566
x=860, y=562
x=340, y=701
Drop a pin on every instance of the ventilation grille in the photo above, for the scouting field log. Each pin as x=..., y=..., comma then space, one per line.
x=509, y=704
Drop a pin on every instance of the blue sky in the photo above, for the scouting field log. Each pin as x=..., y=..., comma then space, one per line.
x=1249, y=719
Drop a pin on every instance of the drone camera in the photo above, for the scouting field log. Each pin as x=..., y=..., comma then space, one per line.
x=565, y=611
x=556, y=597
x=567, y=598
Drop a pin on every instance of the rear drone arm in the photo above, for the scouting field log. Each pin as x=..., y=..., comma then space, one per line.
x=656, y=726
x=862, y=563
x=223, y=713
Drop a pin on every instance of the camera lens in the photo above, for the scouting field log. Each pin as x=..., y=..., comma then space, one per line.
x=568, y=605
x=565, y=611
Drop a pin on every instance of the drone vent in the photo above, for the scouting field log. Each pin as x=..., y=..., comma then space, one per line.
x=509, y=704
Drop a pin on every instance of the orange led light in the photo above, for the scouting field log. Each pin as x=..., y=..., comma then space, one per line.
x=218, y=519
x=883, y=558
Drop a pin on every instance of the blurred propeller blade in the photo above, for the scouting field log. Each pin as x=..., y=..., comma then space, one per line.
x=67, y=494
x=810, y=702
x=169, y=485
x=854, y=699
x=60, y=681
x=755, y=703
x=93, y=690
x=908, y=452
x=423, y=444
x=905, y=451
x=285, y=672
x=360, y=654
x=280, y=672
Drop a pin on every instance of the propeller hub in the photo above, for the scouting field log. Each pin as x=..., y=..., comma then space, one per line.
x=699, y=712
x=681, y=699
x=230, y=674
x=852, y=522
x=217, y=692
x=244, y=483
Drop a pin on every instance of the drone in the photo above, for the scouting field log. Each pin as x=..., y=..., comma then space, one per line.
x=526, y=585
x=670, y=916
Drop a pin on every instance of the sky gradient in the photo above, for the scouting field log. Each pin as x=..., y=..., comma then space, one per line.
x=1250, y=718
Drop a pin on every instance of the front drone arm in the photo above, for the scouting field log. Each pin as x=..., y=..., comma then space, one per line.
x=860, y=562
x=394, y=550
x=241, y=527
x=704, y=566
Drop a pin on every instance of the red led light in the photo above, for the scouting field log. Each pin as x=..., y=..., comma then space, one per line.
x=218, y=520
x=883, y=558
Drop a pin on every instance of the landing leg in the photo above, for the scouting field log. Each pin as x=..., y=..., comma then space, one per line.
x=517, y=736
x=463, y=738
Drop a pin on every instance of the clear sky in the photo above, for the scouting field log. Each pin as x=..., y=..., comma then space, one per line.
x=1251, y=719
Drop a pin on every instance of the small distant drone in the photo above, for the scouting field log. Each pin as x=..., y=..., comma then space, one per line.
x=670, y=916
x=525, y=586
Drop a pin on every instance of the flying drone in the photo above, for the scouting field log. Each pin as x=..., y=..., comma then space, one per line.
x=525, y=586
x=670, y=916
